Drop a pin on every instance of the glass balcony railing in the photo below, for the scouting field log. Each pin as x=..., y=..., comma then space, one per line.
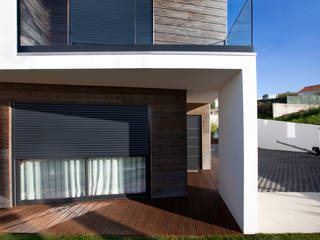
x=80, y=25
x=241, y=32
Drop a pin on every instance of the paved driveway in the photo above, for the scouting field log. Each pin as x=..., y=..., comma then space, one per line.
x=281, y=171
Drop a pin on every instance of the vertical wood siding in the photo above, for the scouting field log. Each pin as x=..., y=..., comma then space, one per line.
x=189, y=22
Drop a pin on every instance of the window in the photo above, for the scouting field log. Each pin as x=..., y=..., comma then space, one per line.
x=67, y=178
x=89, y=22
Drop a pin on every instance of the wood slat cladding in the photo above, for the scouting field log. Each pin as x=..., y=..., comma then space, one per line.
x=202, y=213
x=190, y=22
x=43, y=22
x=168, y=130
x=203, y=110
x=4, y=155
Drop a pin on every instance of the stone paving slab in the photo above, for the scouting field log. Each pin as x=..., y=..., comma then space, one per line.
x=282, y=171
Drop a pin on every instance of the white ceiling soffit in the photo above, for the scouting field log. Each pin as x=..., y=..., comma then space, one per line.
x=201, y=85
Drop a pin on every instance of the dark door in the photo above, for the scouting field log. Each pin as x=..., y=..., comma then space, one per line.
x=194, y=142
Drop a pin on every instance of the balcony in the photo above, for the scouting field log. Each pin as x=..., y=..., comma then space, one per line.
x=132, y=25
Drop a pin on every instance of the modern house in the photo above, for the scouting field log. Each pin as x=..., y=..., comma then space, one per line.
x=110, y=99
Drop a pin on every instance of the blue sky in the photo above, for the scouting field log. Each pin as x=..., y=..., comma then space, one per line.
x=287, y=41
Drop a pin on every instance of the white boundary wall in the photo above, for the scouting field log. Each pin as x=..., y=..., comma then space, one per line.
x=280, y=109
x=301, y=135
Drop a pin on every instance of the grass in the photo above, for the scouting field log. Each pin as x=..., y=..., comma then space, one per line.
x=311, y=116
x=243, y=237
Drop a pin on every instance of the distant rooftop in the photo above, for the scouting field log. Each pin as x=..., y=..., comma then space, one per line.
x=310, y=88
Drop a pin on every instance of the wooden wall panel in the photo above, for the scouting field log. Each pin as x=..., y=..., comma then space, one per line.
x=190, y=22
x=168, y=137
x=204, y=111
x=5, y=181
x=43, y=22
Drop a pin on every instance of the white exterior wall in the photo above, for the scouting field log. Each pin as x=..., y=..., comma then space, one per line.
x=301, y=135
x=280, y=109
x=315, y=92
x=238, y=165
x=238, y=171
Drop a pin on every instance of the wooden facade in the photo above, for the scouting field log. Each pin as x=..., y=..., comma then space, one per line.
x=200, y=22
x=43, y=22
x=176, y=22
x=168, y=130
x=5, y=165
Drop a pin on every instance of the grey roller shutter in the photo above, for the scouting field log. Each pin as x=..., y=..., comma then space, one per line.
x=45, y=131
x=111, y=22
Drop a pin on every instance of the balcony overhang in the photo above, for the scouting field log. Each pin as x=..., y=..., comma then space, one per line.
x=202, y=86
x=134, y=48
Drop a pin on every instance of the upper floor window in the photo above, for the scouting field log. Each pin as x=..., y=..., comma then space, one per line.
x=85, y=22
x=112, y=25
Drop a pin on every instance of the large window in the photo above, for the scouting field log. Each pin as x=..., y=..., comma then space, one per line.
x=75, y=178
x=89, y=22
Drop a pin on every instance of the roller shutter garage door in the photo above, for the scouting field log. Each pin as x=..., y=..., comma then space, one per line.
x=64, y=151
x=194, y=142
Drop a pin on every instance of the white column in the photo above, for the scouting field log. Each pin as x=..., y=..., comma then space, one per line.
x=238, y=158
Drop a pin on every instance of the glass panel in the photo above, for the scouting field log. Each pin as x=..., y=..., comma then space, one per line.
x=116, y=175
x=81, y=24
x=110, y=22
x=240, y=33
x=52, y=179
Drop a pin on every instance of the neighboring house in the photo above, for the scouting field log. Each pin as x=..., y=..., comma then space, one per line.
x=310, y=90
x=95, y=95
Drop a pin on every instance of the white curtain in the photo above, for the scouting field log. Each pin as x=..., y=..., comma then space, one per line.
x=116, y=175
x=51, y=179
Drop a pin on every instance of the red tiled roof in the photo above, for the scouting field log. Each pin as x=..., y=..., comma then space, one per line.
x=310, y=88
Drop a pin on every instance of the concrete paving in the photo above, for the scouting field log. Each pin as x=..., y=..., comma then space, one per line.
x=287, y=212
x=289, y=191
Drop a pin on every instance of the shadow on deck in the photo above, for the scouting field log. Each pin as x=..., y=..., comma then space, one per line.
x=202, y=213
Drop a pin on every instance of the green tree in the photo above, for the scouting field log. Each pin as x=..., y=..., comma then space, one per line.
x=265, y=110
x=213, y=105
x=285, y=94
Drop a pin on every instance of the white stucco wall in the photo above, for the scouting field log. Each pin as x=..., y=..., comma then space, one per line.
x=301, y=135
x=238, y=166
x=280, y=109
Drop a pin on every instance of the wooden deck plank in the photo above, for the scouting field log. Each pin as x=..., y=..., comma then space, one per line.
x=202, y=213
x=146, y=220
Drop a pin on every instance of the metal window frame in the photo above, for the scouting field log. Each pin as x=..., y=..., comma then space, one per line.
x=15, y=178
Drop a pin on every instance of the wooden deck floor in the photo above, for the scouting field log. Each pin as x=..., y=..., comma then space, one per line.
x=201, y=213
